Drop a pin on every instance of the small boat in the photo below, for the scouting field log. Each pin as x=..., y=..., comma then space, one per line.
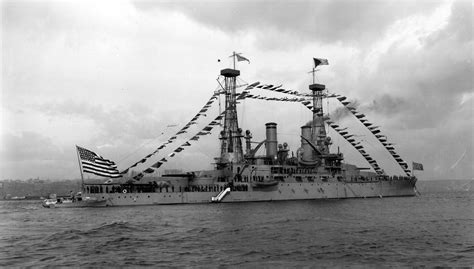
x=79, y=202
x=263, y=184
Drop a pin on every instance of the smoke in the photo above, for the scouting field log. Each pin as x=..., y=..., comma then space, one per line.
x=388, y=105
x=342, y=112
x=339, y=114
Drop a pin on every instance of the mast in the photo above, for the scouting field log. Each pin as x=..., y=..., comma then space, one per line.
x=233, y=58
x=315, y=142
x=80, y=169
x=231, y=134
x=318, y=128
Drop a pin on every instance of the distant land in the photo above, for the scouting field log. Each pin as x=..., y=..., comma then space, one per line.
x=36, y=188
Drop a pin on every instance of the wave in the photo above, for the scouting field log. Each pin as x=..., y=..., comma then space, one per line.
x=248, y=235
x=9, y=207
x=116, y=226
x=104, y=230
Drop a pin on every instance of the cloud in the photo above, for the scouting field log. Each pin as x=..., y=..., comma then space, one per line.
x=28, y=146
x=460, y=25
x=424, y=85
x=115, y=123
x=110, y=76
x=418, y=89
x=30, y=154
x=323, y=21
x=421, y=75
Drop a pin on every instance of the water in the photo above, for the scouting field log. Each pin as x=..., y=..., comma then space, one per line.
x=435, y=229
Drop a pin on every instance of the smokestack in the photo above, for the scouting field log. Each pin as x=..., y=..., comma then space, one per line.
x=307, y=149
x=271, y=143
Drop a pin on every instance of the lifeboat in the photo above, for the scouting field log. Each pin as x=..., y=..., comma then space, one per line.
x=263, y=184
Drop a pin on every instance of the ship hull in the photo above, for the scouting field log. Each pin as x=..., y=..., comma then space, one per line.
x=280, y=192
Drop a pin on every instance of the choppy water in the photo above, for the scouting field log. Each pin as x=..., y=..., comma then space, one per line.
x=435, y=229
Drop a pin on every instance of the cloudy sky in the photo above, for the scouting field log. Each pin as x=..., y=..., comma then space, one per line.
x=113, y=76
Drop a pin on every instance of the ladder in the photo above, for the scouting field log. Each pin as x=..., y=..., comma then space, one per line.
x=221, y=195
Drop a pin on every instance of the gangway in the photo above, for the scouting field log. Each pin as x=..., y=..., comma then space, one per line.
x=221, y=195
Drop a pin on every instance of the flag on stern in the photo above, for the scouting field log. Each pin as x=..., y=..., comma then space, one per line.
x=97, y=165
x=417, y=166
x=319, y=61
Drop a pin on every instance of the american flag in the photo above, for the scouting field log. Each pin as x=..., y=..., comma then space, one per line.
x=97, y=165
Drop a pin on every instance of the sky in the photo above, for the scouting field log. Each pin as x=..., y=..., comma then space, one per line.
x=117, y=76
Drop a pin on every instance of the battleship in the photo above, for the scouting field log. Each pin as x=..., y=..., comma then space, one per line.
x=240, y=174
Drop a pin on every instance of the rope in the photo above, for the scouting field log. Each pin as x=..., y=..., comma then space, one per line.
x=181, y=131
x=360, y=118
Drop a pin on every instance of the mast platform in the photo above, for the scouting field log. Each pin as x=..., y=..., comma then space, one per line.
x=317, y=87
x=230, y=73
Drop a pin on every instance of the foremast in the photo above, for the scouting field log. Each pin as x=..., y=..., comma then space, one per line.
x=231, y=135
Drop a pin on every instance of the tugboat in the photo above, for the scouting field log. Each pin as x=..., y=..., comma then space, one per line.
x=239, y=174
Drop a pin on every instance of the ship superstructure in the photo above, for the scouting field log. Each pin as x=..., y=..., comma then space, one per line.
x=240, y=175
